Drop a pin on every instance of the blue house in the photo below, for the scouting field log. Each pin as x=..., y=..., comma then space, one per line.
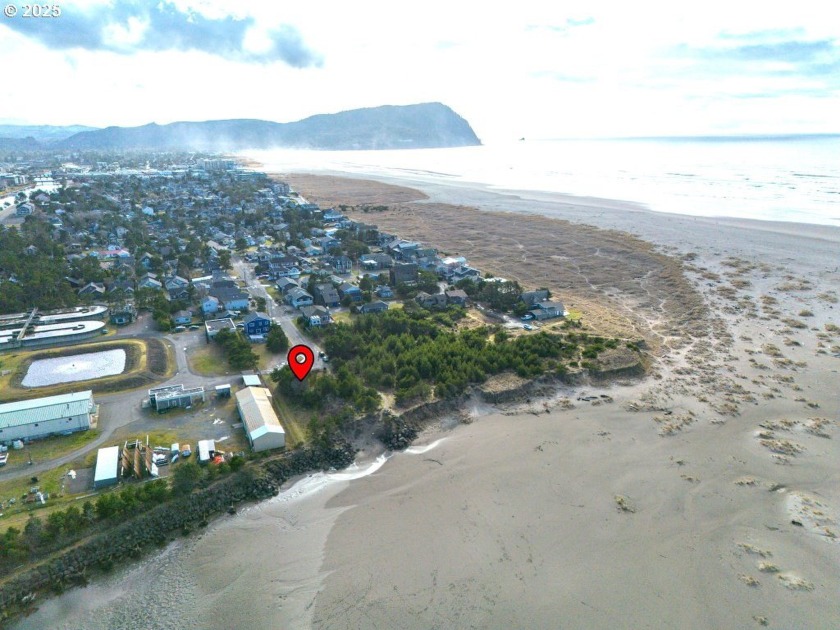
x=347, y=289
x=256, y=323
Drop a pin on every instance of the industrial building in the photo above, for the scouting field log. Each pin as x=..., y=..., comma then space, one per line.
x=262, y=426
x=40, y=417
x=51, y=328
x=107, y=467
x=172, y=396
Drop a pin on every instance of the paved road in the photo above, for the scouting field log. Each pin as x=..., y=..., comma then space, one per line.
x=278, y=313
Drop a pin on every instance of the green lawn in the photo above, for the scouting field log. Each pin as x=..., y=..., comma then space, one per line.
x=208, y=361
x=292, y=421
x=50, y=448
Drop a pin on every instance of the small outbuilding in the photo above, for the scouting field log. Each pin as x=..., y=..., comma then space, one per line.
x=107, y=467
x=206, y=451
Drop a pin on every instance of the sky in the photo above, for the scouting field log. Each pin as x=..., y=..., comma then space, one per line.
x=535, y=69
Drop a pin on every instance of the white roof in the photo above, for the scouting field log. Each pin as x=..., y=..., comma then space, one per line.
x=257, y=413
x=251, y=380
x=107, y=460
x=24, y=412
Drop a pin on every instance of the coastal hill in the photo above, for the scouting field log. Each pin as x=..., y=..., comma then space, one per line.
x=425, y=125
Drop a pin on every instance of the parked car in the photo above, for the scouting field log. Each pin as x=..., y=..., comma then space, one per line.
x=527, y=327
x=180, y=328
x=526, y=317
x=195, y=327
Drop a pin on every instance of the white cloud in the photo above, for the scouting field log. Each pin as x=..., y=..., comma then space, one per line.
x=532, y=69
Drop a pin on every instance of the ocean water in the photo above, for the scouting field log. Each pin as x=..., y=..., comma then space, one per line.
x=790, y=179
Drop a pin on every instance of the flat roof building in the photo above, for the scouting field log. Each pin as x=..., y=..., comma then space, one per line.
x=170, y=396
x=107, y=467
x=262, y=426
x=251, y=380
x=51, y=415
x=213, y=326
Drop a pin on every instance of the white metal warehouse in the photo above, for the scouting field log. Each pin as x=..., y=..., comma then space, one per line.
x=40, y=417
x=261, y=422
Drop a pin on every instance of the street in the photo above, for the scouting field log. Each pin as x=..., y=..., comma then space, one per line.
x=276, y=312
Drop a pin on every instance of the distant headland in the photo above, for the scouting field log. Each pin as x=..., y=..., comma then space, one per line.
x=424, y=125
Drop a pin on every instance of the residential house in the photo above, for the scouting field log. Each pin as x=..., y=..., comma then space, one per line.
x=547, y=310
x=342, y=264
x=182, y=318
x=462, y=273
x=533, y=297
x=210, y=305
x=123, y=314
x=256, y=324
x=427, y=300
x=328, y=243
x=331, y=214
x=373, y=307
x=297, y=298
x=456, y=296
x=24, y=209
x=149, y=281
x=348, y=290
x=92, y=289
x=402, y=249
x=316, y=315
x=384, y=291
x=284, y=285
x=403, y=273
x=287, y=272
x=232, y=298
x=124, y=285
x=326, y=295
x=373, y=262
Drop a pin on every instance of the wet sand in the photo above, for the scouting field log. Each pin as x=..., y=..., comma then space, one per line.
x=704, y=496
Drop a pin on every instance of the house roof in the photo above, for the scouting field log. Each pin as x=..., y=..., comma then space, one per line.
x=309, y=311
x=374, y=306
x=227, y=294
x=457, y=293
x=255, y=315
x=297, y=292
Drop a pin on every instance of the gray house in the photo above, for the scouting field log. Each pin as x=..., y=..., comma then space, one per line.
x=373, y=307
x=326, y=295
x=547, y=310
x=298, y=297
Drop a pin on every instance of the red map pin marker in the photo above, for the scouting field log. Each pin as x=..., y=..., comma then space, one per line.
x=301, y=358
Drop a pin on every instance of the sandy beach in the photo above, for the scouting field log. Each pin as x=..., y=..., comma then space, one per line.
x=704, y=496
